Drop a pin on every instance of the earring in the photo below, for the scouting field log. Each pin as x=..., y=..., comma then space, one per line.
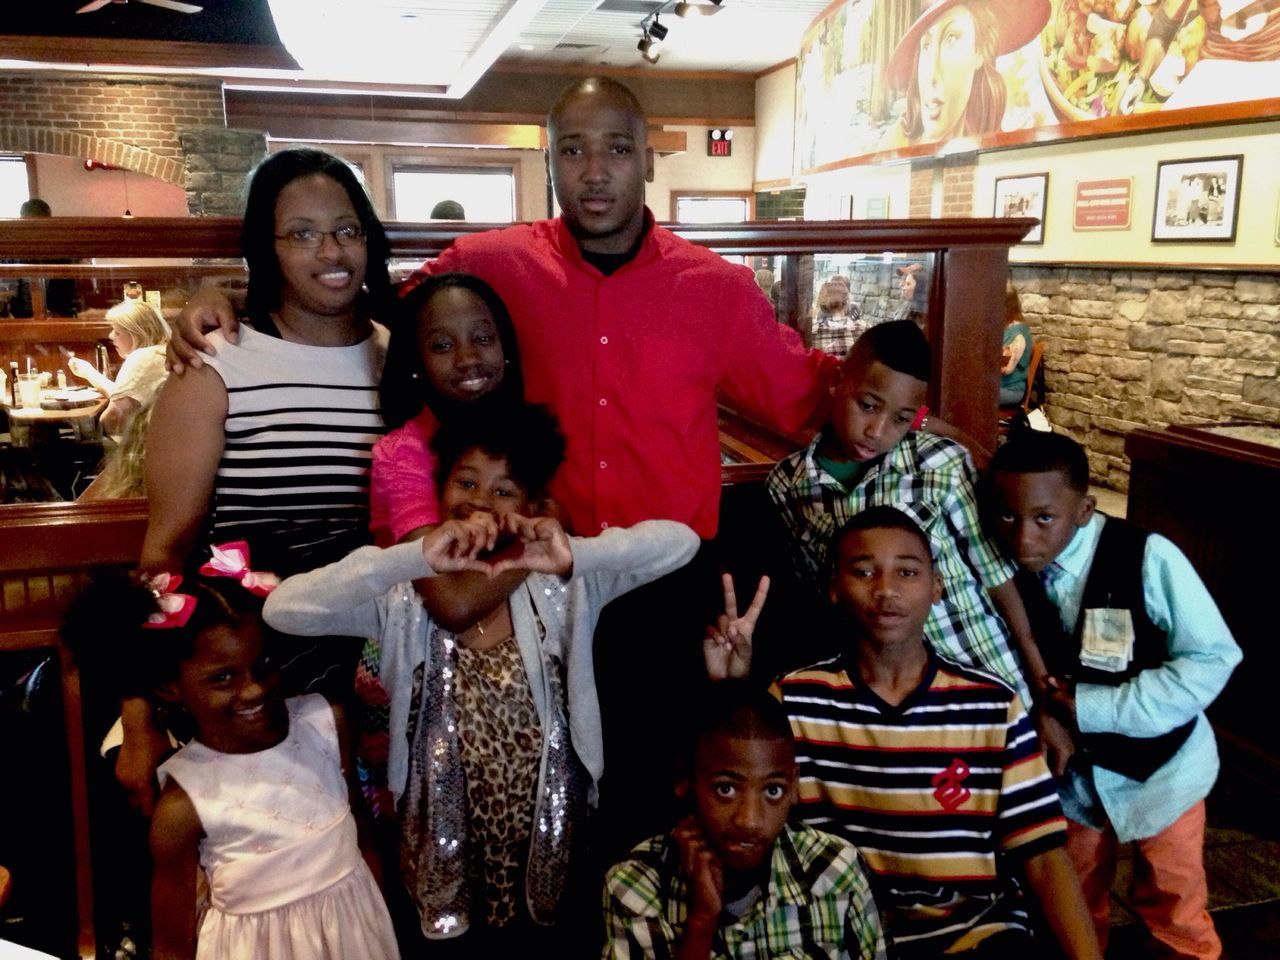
x=414, y=375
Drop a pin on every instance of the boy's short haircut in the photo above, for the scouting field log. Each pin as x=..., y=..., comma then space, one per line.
x=527, y=436
x=1034, y=451
x=743, y=711
x=898, y=344
x=876, y=518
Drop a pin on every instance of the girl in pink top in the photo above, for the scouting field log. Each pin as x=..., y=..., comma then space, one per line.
x=452, y=351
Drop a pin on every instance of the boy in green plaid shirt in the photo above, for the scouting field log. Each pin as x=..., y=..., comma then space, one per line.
x=869, y=455
x=733, y=880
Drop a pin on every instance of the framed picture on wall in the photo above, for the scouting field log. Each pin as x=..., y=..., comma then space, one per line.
x=877, y=207
x=1023, y=196
x=1197, y=201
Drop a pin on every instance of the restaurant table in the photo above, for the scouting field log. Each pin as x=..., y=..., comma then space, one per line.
x=80, y=408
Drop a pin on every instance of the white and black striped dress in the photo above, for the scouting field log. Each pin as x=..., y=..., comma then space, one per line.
x=301, y=424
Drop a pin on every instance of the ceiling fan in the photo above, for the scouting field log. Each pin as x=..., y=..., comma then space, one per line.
x=167, y=4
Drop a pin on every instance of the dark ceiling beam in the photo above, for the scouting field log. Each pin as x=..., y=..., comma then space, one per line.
x=145, y=53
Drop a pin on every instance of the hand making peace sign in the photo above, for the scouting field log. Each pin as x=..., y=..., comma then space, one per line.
x=726, y=649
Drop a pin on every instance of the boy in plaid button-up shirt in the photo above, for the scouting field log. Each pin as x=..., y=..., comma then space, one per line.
x=868, y=455
x=733, y=880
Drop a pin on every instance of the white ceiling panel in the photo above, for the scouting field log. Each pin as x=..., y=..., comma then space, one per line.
x=439, y=48
x=743, y=35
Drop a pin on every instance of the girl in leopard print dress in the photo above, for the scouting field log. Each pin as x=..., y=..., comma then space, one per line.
x=493, y=749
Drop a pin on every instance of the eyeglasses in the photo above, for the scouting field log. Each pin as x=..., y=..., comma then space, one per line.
x=351, y=235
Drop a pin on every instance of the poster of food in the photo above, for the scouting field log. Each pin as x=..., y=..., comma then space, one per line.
x=877, y=75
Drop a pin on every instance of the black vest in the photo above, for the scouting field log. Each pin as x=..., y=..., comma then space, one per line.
x=1115, y=582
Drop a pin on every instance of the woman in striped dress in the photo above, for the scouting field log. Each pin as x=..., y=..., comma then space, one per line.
x=270, y=440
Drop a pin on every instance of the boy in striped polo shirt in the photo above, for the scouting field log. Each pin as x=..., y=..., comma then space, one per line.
x=868, y=454
x=932, y=769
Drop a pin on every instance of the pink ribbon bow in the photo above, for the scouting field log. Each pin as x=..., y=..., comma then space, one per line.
x=175, y=608
x=232, y=560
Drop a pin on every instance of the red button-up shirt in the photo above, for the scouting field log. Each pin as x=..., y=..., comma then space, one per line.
x=631, y=363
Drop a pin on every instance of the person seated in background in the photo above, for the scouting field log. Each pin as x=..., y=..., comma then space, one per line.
x=932, y=768
x=867, y=454
x=140, y=337
x=1015, y=355
x=59, y=295
x=911, y=284
x=836, y=322
x=448, y=210
x=764, y=280
x=1137, y=650
x=733, y=879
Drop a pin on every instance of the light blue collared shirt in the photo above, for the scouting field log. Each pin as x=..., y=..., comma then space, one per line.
x=1202, y=655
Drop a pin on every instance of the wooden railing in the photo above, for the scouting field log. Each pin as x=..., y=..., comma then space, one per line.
x=48, y=550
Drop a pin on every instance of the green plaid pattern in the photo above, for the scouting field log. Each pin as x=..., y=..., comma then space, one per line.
x=932, y=479
x=818, y=904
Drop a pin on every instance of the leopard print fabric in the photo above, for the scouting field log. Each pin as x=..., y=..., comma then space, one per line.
x=501, y=743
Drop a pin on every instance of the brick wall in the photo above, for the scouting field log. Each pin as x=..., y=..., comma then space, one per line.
x=131, y=122
x=1131, y=348
x=920, y=200
x=957, y=187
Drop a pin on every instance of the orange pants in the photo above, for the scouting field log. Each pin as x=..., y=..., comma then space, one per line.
x=1169, y=889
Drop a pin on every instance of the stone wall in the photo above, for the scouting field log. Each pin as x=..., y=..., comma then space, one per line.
x=218, y=165
x=876, y=288
x=1132, y=348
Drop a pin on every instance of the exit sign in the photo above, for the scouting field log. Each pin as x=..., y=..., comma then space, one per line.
x=719, y=143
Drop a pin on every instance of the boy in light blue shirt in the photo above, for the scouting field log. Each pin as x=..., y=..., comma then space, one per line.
x=1136, y=650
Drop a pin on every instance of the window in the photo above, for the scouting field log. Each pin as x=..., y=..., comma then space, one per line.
x=488, y=195
x=14, y=188
x=724, y=208
x=712, y=207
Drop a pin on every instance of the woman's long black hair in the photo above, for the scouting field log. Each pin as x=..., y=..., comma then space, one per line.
x=258, y=243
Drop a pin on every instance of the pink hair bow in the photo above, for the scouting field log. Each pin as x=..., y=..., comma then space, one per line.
x=175, y=608
x=232, y=560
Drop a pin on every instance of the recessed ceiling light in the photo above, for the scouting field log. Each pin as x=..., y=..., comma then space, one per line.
x=525, y=46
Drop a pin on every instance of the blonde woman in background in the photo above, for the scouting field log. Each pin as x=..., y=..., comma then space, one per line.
x=140, y=335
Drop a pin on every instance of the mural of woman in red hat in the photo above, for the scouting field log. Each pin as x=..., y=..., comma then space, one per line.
x=946, y=63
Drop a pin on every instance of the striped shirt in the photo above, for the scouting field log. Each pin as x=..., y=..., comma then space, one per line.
x=818, y=904
x=932, y=479
x=300, y=428
x=937, y=793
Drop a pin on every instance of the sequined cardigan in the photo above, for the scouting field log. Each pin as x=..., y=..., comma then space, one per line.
x=370, y=594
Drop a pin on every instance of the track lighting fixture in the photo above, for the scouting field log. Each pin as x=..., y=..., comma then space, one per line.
x=653, y=31
x=649, y=48
x=697, y=9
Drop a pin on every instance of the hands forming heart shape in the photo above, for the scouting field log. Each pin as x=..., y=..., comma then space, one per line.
x=491, y=545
